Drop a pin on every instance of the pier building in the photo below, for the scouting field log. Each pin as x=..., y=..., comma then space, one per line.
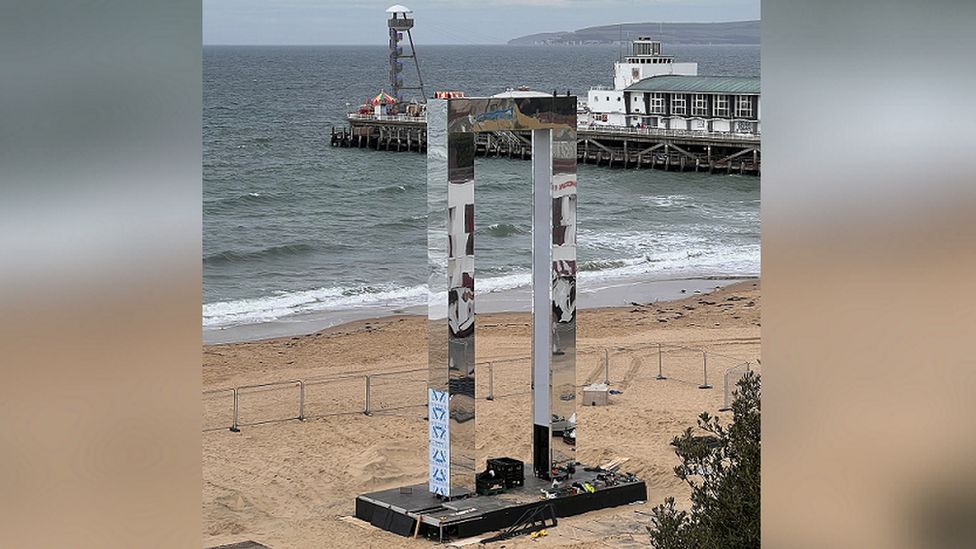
x=608, y=105
x=650, y=90
x=720, y=104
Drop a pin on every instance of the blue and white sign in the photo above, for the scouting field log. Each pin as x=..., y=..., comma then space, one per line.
x=439, y=442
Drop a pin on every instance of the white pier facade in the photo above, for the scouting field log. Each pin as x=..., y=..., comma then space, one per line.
x=653, y=92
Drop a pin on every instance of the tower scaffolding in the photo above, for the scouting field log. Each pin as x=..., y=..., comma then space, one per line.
x=401, y=20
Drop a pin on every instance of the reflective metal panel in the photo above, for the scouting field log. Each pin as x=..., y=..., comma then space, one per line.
x=450, y=242
x=438, y=435
x=541, y=302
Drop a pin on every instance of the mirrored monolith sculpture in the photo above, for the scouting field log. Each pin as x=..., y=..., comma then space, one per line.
x=451, y=128
x=450, y=308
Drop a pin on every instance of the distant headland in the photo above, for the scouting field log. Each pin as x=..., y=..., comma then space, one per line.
x=733, y=32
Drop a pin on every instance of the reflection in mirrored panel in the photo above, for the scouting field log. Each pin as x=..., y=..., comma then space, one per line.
x=563, y=293
x=460, y=309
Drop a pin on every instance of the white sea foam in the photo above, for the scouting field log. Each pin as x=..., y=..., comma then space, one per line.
x=277, y=306
x=676, y=262
x=667, y=201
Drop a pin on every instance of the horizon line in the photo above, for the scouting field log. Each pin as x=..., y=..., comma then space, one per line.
x=506, y=42
x=470, y=44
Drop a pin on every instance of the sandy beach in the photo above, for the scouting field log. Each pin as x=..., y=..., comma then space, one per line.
x=290, y=483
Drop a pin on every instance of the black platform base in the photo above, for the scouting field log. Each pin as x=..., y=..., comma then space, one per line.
x=399, y=509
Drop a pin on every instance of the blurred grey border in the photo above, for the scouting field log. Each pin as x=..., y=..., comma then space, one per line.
x=868, y=255
x=868, y=258
x=100, y=220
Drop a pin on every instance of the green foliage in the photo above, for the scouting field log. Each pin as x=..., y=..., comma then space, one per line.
x=722, y=469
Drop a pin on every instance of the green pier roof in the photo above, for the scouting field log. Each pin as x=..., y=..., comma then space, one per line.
x=697, y=84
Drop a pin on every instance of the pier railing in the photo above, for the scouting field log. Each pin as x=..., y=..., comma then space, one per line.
x=657, y=132
x=388, y=117
x=587, y=127
x=402, y=390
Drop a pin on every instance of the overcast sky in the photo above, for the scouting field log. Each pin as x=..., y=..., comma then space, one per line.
x=442, y=21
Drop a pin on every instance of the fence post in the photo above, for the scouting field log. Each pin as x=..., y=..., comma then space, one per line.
x=660, y=362
x=491, y=382
x=233, y=426
x=725, y=391
x=366, y=410
x=301, y=400
x=606, y=366
x=704, y=384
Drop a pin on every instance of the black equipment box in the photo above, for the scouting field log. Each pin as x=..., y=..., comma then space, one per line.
x=487, y=486
x=511, y=471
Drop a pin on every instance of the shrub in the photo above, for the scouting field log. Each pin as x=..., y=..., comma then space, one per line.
x=722, y=469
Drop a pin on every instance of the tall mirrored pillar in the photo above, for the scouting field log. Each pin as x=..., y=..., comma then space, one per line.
x=450, y=316
x=553, y=299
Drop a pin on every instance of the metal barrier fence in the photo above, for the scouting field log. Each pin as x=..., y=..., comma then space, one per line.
x=403, y=391
x=219, y=406
x=397, y=393
x=334, y=395
x=732, y=377
x=269, y=402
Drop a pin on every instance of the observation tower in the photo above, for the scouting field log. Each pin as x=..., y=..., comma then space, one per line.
x=401, y=20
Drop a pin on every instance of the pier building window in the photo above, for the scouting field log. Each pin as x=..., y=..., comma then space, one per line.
x=743, y=106
x=679, y=105
x=721, y=107
x=700, y=106
x=657, y=103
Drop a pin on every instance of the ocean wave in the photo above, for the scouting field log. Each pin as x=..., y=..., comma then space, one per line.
x=601, y=264
x=502, y=230
x=640, y=243
x=274, y=252
x=282, y=304
x=408, y=222
x=393, y=189
x=676, y=263
x=668, y=200
x=734, y=261
x=512, y=281
x=215, y=205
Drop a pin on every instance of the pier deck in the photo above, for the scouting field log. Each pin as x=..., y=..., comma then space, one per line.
x=618, y=147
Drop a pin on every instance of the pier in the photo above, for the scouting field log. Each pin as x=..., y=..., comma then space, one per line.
x=612, y=147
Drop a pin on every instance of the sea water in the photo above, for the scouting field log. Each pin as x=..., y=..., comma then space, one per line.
x=296, y=230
